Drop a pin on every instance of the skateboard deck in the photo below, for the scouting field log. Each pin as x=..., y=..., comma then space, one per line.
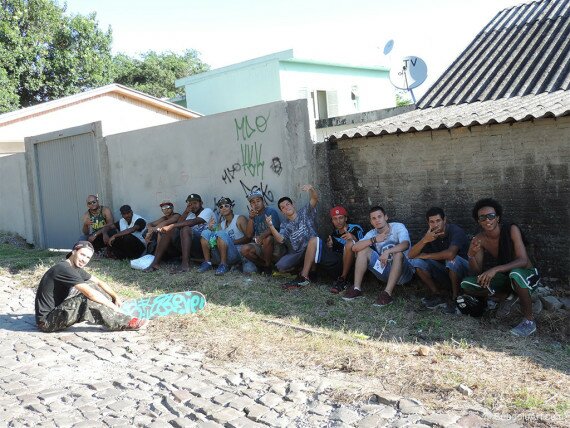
x=162, y=305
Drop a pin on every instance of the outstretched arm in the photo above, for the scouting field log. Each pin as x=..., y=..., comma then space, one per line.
x=314, y=197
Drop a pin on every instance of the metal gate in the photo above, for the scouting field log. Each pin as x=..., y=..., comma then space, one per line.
x=66, y=168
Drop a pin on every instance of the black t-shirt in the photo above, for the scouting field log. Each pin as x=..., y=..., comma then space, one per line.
x=454, y=236
x=55, y=287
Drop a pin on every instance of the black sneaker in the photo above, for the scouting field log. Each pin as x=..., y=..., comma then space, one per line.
x=339, y=285
x=451, y=309
x=434, y=302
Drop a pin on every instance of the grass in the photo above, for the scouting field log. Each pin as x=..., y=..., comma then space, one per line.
x=400, y=349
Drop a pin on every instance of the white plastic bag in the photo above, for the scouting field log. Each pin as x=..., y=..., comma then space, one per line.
x=142, y=262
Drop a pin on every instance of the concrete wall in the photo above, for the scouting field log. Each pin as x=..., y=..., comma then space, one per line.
x=15, y=212
x=266, y=147
x=523, y=165
x=117, y=114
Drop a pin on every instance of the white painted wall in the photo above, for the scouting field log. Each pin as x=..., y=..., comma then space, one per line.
x=212, y=156
x=15, y=213
x=116, y=112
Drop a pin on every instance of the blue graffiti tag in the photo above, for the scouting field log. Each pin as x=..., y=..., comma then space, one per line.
x=188, y=302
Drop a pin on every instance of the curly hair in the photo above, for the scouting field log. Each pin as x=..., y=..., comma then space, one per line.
x=486, y=202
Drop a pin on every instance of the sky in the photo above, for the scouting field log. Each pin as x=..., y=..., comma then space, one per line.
x=226, y=32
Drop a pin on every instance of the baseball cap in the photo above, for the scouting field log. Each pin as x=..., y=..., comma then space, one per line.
x=164, y=203
x=125, y=209
x=338, y=210
x=193, y=197
x=255, y=194
x=79, y=245
x=224, y=200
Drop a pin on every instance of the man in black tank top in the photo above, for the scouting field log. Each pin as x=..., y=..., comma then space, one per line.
x=94, y=221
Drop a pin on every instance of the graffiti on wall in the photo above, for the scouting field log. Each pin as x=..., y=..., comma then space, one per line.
x=245, y=130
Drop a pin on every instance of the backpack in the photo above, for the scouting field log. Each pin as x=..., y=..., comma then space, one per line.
x=469, y=305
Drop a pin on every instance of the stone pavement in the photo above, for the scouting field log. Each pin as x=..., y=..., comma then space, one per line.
x=87, y=377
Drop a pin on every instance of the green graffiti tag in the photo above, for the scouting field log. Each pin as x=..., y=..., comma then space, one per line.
x=245, y=130
x=251, y=159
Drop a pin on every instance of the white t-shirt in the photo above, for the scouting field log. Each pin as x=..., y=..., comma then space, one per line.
x=398, y=234
x=123, y=226
x=206, y=214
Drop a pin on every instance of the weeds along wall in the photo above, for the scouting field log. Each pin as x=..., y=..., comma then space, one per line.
x=267, y=147
x=525, y=166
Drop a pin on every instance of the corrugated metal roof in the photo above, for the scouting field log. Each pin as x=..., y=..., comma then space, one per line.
x=505, y=110
x=523, y=50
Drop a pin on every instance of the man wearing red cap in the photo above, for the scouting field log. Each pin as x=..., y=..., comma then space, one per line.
x=333, y=254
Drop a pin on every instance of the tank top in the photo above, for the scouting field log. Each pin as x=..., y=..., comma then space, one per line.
x=97, y=220
x=232, y=229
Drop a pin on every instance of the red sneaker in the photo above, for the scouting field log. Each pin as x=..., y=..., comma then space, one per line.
x=352, y=293
x=136, y=324
x=383, y=299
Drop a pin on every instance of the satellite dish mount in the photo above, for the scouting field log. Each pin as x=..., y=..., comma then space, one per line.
x=408, y=74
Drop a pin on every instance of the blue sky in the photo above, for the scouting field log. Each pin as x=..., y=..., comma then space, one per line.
x=355, y=32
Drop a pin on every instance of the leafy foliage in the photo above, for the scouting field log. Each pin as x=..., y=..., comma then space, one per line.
x=45, y=54
x=155, y=73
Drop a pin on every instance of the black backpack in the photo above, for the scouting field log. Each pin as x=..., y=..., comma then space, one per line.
x=469, y=305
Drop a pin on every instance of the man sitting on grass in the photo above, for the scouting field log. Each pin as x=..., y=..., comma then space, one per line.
x=221, y=243
x=440, y=257
x=296, y=231
x=382, y=251
x=128, y=242
x=152, y=237
x=498, y=255
x=65, y=297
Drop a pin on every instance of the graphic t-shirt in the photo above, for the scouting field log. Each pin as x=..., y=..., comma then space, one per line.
x=259, y=224
x=98, y=220
x=398, y=234
x=299, y=231
x=55, y=286
x=338, y=242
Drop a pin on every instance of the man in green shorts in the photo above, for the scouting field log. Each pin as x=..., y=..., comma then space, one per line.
x=498, y=256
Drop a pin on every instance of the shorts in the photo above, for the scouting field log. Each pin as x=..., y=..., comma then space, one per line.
x=290, y=260
x=407, y=269
x=279, y=250
x=440, y=271
x=502, y=282
x=328, y=258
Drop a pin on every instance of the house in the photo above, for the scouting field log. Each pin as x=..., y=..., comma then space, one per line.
x=332, y=89
x=119, y=109
x=495, y=124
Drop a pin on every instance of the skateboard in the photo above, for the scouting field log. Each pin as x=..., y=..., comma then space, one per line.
x=162, y=305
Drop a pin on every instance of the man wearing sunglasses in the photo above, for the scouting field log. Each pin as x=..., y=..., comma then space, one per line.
x=440, y=258
x=94, y=221
x=221, y=242
x=498, y=257
x=152, y=237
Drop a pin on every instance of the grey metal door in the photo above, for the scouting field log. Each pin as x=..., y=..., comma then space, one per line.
x=67, y=171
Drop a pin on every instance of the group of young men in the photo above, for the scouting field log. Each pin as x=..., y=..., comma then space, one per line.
x=443, y=259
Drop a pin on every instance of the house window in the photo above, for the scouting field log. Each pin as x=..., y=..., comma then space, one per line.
x=355, y=97
x=325, y=104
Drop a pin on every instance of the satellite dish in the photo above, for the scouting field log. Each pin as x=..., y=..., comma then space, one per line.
x=408, y=73
x=388, y=47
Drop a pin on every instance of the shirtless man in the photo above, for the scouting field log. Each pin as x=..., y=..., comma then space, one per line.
x=94, y=220
x=498, y=256
x=152, y=237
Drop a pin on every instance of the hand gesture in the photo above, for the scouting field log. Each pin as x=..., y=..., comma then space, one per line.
x=269, y=220
x=484, y=280
x=88, y=222
x=111, y=240
x=212, y=223
x=384, y=257
x=431, y=235
x=307, y=188
x=165, y=229
x=252, y=212
x=474, y=247
x=329, y=242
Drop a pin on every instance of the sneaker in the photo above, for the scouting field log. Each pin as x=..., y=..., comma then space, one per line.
x=339, y=285
x=205, y=267
x=524, y=329
x=352, y=293
x=434, y=302
x=136, y=324
x=451, y=309
x=300, y=282
x=492, y=305
x=222, y=269
x=266, y=271
x=383, y=299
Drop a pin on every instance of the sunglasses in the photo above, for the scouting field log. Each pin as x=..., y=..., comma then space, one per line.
x=225, y=206
x=490, y=216
x=166, y=207
x=91, y=202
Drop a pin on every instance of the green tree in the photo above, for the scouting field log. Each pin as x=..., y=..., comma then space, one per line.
x=155, y=73
x=45, y=55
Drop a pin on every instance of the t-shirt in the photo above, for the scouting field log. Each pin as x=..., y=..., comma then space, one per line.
x=55, y=286
x=338, y=242
x=398, y=234
x=259, y=224
x=98, y=220
x=135, y=221
x=299, y=231
x=454, y=236
x=206, y=214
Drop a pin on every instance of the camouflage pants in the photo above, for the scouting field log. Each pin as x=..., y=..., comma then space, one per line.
x=78, y=309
